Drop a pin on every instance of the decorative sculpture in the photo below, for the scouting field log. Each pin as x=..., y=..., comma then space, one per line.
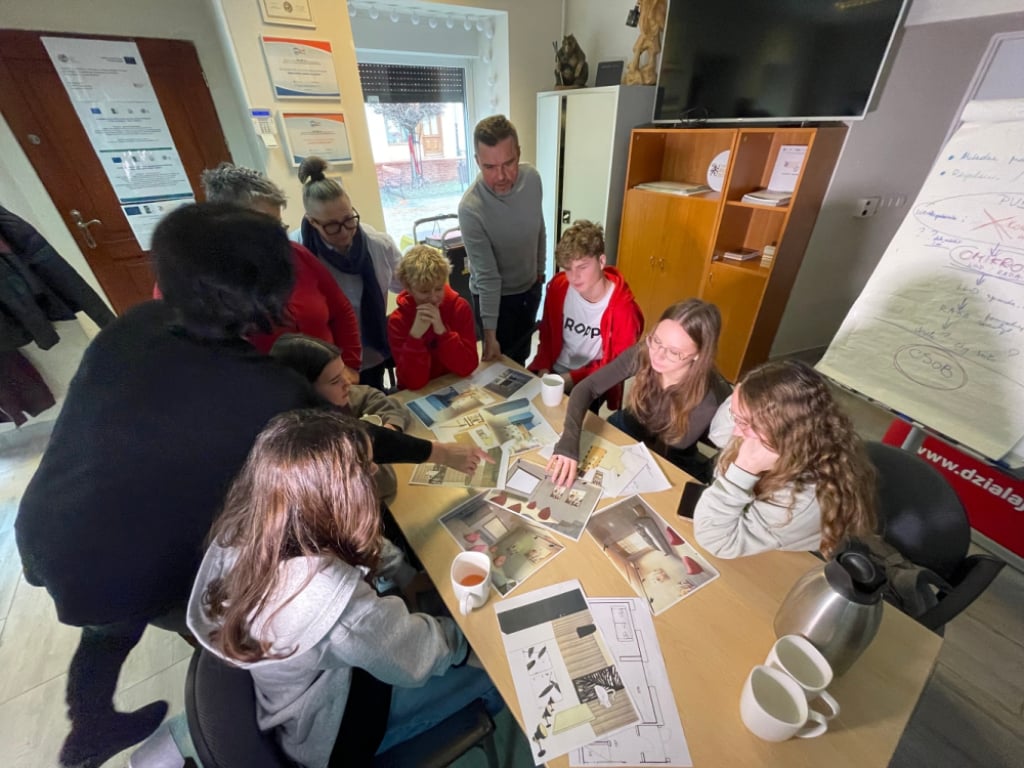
x=648, y=41
x=570, y=64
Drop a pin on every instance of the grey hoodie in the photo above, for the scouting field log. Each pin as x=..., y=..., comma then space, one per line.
x=334, y=623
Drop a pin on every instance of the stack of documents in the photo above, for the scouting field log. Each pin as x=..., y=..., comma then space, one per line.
x=741, y=254
x=768, y=197
x=683, y=188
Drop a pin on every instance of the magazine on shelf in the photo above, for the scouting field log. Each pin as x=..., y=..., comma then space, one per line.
x=768, y=197
x=787, y=167
x=741, y=254
x=683, y=188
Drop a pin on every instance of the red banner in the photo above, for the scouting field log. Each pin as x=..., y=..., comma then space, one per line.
x=993, y=499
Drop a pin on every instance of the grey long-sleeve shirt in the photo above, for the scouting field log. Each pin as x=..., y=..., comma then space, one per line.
x=504, y=236
x=603, y=379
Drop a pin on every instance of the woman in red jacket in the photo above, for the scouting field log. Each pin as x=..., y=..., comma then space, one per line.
x=590, y=315
x=431, y=333
x=317, y=307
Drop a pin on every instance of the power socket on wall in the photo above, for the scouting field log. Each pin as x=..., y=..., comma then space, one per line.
x=866, y=206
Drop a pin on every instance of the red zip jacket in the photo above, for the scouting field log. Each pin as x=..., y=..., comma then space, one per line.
x=621, y=326
x=417, y=361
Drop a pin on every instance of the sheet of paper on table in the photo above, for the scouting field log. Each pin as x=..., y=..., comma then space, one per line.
x=658, y=563
x=494, y=384
x=517, y=549
x=515, y=424
x=569, y=688
x=658, y=738
x=486, y=475
x=620, y=470
x=530, y=493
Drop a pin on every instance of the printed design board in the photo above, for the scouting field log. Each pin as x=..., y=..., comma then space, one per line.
x=517, y=549
x=530, y=493
x=485, y=476
x=658, y=738
x=515, y=424
x=569, y=688
x=620, y=470
x=658, y=563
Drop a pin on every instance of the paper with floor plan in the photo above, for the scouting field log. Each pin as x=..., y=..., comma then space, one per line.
x=658, y=738
x=567, y=682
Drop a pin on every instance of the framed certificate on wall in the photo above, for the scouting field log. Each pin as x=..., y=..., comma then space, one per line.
x=292, y=13
x=322, y=134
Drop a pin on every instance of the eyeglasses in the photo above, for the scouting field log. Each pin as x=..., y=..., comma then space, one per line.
x=351, y=223
x=672, y=355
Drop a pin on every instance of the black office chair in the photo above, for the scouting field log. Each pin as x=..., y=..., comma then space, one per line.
x=220, y=704
x=920, y=515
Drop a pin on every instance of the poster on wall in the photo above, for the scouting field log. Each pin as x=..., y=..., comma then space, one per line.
x=294, y=13
x=143, y=217
x=300, y=69
x=114, y=99
x=322, y=134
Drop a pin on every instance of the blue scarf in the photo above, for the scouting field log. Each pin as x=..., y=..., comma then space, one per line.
x=373, y=319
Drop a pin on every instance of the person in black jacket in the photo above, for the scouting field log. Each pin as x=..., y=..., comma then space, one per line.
x=158, y=420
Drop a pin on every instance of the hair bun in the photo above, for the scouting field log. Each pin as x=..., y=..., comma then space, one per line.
x=312, y=170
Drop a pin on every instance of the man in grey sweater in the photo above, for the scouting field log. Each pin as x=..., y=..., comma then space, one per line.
x=503, y=231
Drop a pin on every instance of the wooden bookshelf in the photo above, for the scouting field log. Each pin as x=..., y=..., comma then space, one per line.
x=667, y=243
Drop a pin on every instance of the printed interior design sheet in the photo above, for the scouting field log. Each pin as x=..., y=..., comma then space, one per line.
x=568, y=684
x=658, y=563
x=620, y=470
x=516, y=548
x=658, y=738
x=529, y=492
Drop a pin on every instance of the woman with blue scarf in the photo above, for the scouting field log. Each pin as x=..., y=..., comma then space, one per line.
x=362, y=260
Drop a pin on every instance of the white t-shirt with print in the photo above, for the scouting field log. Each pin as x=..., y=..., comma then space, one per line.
x=581, y=330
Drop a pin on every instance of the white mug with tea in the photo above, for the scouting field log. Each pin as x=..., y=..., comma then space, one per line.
x=471, y=580
x=798, y=658
x=774, y=708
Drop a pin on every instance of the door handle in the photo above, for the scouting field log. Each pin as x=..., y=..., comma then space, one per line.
x=82, y=224
x=566, y=217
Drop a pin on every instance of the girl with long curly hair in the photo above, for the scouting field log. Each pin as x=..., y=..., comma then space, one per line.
x=792, y=474
x=675, y=392
x=283, y=591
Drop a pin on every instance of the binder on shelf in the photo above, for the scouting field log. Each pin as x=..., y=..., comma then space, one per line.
x=682, y=188
x=768, y=197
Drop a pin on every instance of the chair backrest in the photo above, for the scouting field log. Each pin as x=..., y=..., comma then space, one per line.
x=220, y=704
x=918, y=511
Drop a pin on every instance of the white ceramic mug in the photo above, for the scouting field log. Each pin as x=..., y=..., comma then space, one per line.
x=471, y=580
x=774, y=708
x=552, y=387
x=798, y=658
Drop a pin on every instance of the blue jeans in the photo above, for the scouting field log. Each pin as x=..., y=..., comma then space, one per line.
x=415, y=710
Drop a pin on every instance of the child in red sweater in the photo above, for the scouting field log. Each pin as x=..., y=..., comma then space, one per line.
x=431, y=333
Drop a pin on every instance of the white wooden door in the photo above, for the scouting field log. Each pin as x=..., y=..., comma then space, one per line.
x=589, y=131
x=549, y=142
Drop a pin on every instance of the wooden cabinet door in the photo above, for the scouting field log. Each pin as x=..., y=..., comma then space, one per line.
x=737, y=292
x=663, y=246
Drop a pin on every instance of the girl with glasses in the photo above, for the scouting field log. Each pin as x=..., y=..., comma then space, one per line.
x=284, y=591
x=792, y=474
x=675, y=392
x=362, y=261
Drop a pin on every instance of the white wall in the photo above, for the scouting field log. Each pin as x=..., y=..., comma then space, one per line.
x=600, y=29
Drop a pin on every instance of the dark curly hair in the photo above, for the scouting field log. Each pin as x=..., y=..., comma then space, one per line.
x=225, y=270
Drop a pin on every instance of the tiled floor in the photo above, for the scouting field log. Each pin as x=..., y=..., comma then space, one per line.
x=971, y=714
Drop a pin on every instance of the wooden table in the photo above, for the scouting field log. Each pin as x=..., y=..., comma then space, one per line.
x=710, y=640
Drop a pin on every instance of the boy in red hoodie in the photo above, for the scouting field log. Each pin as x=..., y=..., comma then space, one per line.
x=431, y=333
x=590, y=315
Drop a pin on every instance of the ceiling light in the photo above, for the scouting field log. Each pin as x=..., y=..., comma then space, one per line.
x=393, y=16
x=432, y=22
x=449, y=21
x=374, y=13
x=467, y=24
x=415, y=19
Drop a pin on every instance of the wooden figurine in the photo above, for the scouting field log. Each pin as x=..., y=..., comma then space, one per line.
x=570, y=64
x=648, y=41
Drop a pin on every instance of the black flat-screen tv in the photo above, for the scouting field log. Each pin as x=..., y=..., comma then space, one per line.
x=773, y=60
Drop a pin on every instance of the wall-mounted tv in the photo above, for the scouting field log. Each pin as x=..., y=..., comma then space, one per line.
x=773, y=60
